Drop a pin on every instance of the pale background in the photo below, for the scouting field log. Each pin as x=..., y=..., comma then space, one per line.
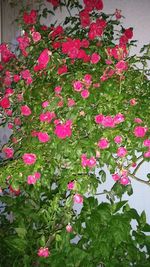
x=137, y=15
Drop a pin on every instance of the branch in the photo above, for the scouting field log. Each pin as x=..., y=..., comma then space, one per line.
x=138, y=179
x=138, y=166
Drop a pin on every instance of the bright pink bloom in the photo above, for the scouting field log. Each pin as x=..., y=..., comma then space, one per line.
x=140, y=131
x=85, y=43
x=45, y=104
x=103, y=143
x=78, y=86
x=85, y=94
x=77, y=198
x=10, y=125
x=31, y=179
x=43, y=60
x=47, y=116
x=16, y=78
x=95, y=58
x=43, y=252
x=17, y=121
x=84, y=18
x=108, y=121
x=69, y=228
x=25, y=110
x=84, y=160
x=116, y=177
x=147, y=154
x=146, y=142
x=9, y=92
x=121, y=66
x=118, y=139
x=99, y=118
x=5, y=103
x=91, y=162
x=9, y=152
x=58, y=89
x=119, y=118
x=88, y=79
x=71, y=185
x=63, y=69
x=30, y=18
x=133, y=102
x=36, y=37
x=71, y=102
x=29, y=158
x=43, y=137
x=128, y=33
x=121, y=152
x=124, y=180
x=8, y=112
x=63, y=130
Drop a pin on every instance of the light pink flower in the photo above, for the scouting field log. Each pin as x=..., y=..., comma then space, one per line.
x=119, y=118
x=116, y=177
x=146, y=142
x=103, y=143
x=84, y=160
x=95, y=58
x=121, y=152
x=45, y=104
x=29, y=158
x=77, y=198
x=138, y=120
x=43, y=137
x=71, y=102
x=43, y=252
x=88, y=79
x=124, y=180
x=118, y=139
x=25, y=110
x=36, y=37
x=69, y=228
x=9, y=152
x=71, y=185
x=85, y=93
x=140, y=131
x=91, y=162
x=108, y=121
x=31, y=179
x=78, y=86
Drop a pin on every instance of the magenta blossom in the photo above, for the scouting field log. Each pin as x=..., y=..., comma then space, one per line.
x=43, y=252
x=116, y=177
x=118, y=139
x=9, y=152
x=43, y=137
x=25, y=110
x=71, y=185
x=29, y=158
x=78, y=199
x=63, y=130
x=140, y=131
x=124, y=180
x=103, y=143
x=121, y=152
x=69, y=228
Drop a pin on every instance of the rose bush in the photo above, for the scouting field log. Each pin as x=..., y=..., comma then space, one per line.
x=75, y=102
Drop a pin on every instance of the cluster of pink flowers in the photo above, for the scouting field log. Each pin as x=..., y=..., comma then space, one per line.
x=85, y=162
x=24, y=42
x=91, y=4
x=43, y=60
x=30, y=18
x=122, y=178
x=127, y=35
x=109, y=121
x=47, y=116
x=29, y=158
x=83, y=86
x=96, y=28
x=33, y=178
x=6, y=54
x=56, y=31
x=63, y=130
x=26, y=75
x=43, y=252
x=118, y=52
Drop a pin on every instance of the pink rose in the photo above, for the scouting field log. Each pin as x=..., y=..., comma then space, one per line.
x=108, y=121
x=16, y=78
x=63, y=69
x=25, y=110
x=71, y=102
x=103, y=143
x=124, y=181
x=91, y=162
x=88, y=79
x=121, y=152
x=121, y=66
x=146, y=142
x=118, y=139
x=63, y=130
x=118, y=14
x=140, y=131
x=147, y=154
x=43, y=252
x=58, y=89
x=47, y=116
x=33, y=178
x=116, y=177
x=70, y=185
x=78, y=199
x=95, y=58
x=133, y=102
x=43, y=137
x=29, y=158
x=43, y=60
x=36, y=37
x=30, y=18
x=45, y=104
x=5, y=103
x=84, y=160
x=85, y=93
x=99, y=118
x=119, y=118
x=84, y=18
x=9, y=152
x=77, y=85
x=9, y=92
x=69, y=228
x=128, y=33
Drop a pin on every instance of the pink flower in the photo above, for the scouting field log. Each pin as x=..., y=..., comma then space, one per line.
x=20, y=97
x=47, y=116
x=36, y=37
x=138, y=120
x=77, y=85
x=118, y=139
x=118, y=14
x=119, y=118
x=133, y=102
x=128, y=33
x=33, y=178
x=16, y=78
x=71, y=185
x=25, y=110
x=124, y=180
x=91, y=162
x=77, y=198
x=10, y=125
x=116, y=177
x=45, y=104
x=5, y=103
x=9, y=152
x=58, y=89
x=69, y=228
x=140, y=131
x=84, y=160
x=17, y=121
x=108, y=121
x=84, y=18
x=146, y=142
x=95, y=58
x=121, y=152
x=43, y=60
x=85, y=94
x=99, y=118
x=43, y=252
x=9, y=92
x=121, y=66
x=71, y=102
x=63, y=69
x=43, y=137
x=147, y=154
x=63, y=130
x=30, y=18
x=88, y=79
x=103, y=143
x=29, y=158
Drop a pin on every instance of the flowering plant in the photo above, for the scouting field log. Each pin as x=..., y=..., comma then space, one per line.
x=76, y=102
